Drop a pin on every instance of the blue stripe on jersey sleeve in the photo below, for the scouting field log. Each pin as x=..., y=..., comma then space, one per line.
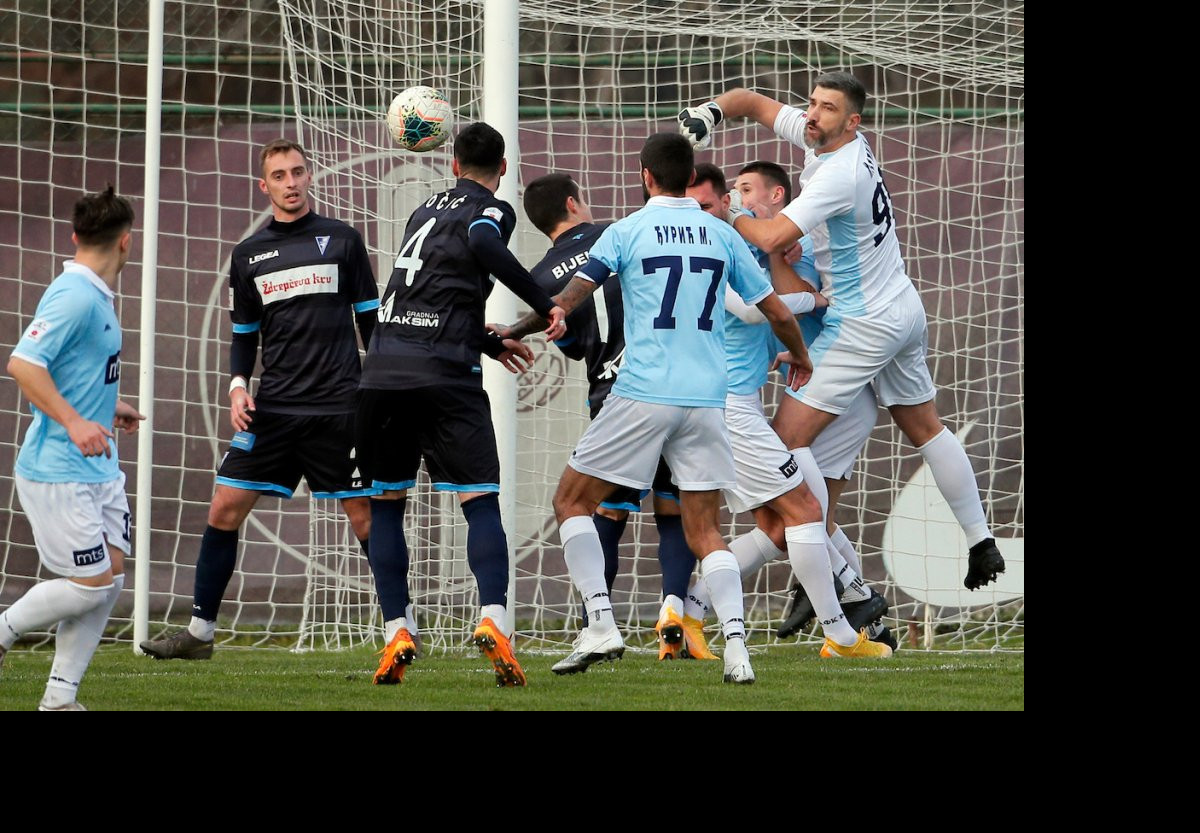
x=366, y=306
x=247, y=328
x=491, y=222
x=596, y=271
x=565, y=341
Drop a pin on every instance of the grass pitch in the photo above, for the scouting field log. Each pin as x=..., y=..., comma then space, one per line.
x=789, y=677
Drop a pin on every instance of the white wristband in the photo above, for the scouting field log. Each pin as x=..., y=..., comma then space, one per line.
x=237, y=382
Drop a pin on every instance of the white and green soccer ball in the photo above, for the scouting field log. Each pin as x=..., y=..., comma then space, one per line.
x=420, y=119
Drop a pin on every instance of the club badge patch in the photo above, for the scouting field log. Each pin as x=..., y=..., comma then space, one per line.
x=322, y=242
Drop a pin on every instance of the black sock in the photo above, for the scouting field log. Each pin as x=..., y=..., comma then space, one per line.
x=674, y=555
x=487, y=548
x=388, y=556
x=214, y=569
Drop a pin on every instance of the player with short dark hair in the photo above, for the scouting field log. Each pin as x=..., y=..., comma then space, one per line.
x=875, y=331
x=595, y=335
x=674, y=262
x=769, y=479
x=68, y=477
x=299, y=284
x=422, y=395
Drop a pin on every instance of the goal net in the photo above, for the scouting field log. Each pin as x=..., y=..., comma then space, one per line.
x=945, y=118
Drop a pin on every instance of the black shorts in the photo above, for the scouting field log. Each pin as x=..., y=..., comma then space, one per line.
x=279, y=449
x=630, y=499
x=450, y=426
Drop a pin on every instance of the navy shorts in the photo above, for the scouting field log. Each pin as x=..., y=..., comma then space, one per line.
x=449, y=426
x=631, y=499
x=278, y=449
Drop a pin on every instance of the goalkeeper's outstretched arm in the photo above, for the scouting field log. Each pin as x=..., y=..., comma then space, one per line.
x=698, y=123
x=740, y=102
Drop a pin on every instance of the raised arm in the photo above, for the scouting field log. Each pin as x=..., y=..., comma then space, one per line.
x=698, y=123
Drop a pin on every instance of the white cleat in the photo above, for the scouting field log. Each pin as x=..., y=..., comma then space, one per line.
x=592, y=646
x=65, y=707
x=737, y=662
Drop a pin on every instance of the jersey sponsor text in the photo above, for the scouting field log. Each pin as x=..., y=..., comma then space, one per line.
x=302, y=280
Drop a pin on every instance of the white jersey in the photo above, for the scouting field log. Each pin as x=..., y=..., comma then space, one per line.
x=847, y=210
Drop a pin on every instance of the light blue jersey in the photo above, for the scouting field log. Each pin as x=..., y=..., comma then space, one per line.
x=673, y=261
x=750, y=348
x=75, y=335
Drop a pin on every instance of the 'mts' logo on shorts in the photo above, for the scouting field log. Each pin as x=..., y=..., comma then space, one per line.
x=112, y=371
x=85, y=558
x=790, y=467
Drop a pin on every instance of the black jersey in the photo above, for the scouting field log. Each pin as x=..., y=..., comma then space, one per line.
x=431, y=322
x=595, y=329
x=297, y=284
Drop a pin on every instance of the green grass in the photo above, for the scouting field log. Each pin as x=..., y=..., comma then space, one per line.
x=789, y=677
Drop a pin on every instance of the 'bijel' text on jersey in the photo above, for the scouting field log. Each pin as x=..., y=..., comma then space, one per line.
x=595, y=329
x=295, y=284
x=431, y=322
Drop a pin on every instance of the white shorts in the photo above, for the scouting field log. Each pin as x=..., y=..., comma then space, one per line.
x=623, y=443
x=887, y=348
x=71, y=521
x=765, y=468
x=836, y=449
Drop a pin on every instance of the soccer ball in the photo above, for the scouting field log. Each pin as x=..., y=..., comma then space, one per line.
x=420, y=119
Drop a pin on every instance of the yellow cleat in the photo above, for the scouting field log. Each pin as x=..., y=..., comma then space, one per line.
x=397, y=656
x=670, y=634
x=693, y=635
x=494, y=645
x=863, y=648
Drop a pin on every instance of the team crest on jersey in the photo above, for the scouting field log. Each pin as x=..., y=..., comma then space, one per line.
x=493, y=212
x=322, y=242
x=37, y=329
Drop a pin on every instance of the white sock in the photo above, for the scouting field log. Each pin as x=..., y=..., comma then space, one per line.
x=76, y=642
x=806, y=551
x=696, y=604
x=497, y=614
x=813, y=478
x=955, y=479
x=203, y=628
x=42, y=606
x=847, y=550
x=585, y=564
x=853, y=589
x=724, y=581
x=753, y=551
x=410, y=616
x=392, y=627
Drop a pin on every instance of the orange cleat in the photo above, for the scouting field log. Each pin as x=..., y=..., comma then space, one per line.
x=397, y=656
x=494, y=645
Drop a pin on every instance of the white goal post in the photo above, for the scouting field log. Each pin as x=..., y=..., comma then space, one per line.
x=587, y=81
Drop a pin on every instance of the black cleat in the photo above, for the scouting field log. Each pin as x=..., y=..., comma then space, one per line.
x=882, y=633
x=180, y=645
x=799, y=616
x=861, y=614
x=802, y=613
x=984, y=564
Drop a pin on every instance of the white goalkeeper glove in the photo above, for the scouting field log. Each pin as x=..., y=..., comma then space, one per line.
x=697, y=123
x=735, y=207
